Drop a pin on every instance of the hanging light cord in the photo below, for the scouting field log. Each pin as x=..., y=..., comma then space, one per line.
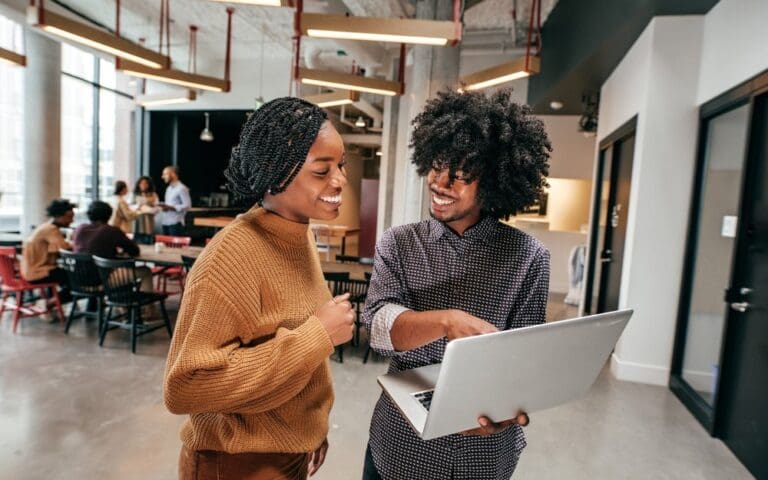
x=535, y=13
x=192, y=62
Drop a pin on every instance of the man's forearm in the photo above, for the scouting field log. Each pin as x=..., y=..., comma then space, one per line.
x=412, y=329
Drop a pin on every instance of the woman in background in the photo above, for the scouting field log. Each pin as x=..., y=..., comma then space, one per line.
x=122, y=216
x=146, y=200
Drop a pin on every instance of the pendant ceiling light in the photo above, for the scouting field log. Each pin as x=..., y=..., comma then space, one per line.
x=206, y=135
x=262, y=3
x=395, y=30
x=169, y=98
x=63, y=27
x=518, y=68
x=360, y=122
x=348, y=81
x=181, y=78
x=9, y=56
x=333, y=99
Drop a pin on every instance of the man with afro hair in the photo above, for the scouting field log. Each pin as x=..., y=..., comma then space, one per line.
x=458, y=274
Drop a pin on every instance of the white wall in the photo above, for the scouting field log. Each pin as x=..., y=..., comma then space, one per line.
x=735, y=45
x=654, y=82
x=573, y=154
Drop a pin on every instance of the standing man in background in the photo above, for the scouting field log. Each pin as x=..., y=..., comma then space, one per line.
x=176, y=204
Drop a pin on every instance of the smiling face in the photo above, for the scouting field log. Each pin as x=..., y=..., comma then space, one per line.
x=315, y=192
x=453, y=200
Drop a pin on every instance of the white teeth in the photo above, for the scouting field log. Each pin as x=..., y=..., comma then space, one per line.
x=439, y=201
x=333, y=199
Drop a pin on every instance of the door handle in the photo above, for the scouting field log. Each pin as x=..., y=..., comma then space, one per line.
x=740, y=306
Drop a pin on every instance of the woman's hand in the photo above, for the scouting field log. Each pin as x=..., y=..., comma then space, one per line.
x=337, y=317
x=317, y=458
x=488, y=427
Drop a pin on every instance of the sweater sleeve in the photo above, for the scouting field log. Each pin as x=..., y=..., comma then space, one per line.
x=210, y=369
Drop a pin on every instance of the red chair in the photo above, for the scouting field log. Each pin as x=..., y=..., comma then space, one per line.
x=170, y=273
x=14, y=284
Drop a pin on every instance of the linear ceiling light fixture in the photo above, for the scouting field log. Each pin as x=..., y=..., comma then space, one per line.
x=181, y=78
x=334, y=99
x=395, y=30
x=83, y=34
x=346, y=81
x=501, y=74
x=174, y=77
x=518, y=68
x=168, y=98
x=12, y=57
x=263, y=3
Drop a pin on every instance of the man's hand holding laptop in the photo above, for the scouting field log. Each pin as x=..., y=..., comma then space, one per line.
x=460, y=324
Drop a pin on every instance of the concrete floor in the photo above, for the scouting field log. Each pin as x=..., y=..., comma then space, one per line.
x=72, y=410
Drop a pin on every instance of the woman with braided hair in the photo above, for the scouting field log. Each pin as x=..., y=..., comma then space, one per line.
x=249, y=358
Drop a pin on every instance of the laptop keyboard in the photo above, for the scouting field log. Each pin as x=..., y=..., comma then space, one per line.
x=425, y=398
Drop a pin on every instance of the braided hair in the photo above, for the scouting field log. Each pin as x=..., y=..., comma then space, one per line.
x=489, y=139
x=274, y=144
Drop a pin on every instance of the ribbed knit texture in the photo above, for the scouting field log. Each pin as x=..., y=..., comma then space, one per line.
x=249, y=360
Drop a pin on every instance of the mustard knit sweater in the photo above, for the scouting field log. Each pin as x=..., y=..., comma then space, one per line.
x=249, y=360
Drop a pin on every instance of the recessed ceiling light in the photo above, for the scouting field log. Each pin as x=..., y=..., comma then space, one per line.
x=555, y=105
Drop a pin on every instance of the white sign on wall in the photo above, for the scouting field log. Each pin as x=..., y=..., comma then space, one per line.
x=729, y=226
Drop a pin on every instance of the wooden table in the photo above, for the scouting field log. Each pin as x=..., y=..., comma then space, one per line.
x=171, y=257
x=333, y=231
x=215, y=222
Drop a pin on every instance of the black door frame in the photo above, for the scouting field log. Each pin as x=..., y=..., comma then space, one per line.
x=738, y=96
x=627, y=129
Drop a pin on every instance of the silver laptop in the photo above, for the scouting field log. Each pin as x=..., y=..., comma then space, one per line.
x=498, y=374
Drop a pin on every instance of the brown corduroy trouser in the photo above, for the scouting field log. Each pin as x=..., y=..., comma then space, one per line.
x=212, y=465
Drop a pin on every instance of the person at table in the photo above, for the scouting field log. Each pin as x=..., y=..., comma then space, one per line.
x=458, y=274
x=122, y=215
x=146, y=201
x=176, y=204
x=249, y=357
x=41, y=250
x=103, y=240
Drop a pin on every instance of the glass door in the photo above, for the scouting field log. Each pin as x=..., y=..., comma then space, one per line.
x=711, y=245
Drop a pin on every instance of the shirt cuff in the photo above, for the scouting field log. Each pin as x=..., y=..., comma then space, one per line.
x=382, y=324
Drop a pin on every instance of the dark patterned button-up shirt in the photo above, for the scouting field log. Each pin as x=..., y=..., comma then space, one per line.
x=494, y=272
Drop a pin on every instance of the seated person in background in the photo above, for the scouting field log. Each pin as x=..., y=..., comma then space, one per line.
x=102, y=240
x=41, y=249
x=122, y=216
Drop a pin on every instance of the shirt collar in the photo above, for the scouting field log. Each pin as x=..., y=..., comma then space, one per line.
x=483, y=230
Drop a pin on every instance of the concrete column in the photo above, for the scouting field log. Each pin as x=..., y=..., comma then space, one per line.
x=42, y=128
x=430, y=70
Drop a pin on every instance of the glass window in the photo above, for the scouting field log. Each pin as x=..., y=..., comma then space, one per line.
x=107, y=75
x=76, y=140
x=11, y=129
x=76, y=62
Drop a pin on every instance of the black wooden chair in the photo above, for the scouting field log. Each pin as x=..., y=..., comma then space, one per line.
x=358, y=290
x=121, y=287
x=188, y=262
x=84, y=283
